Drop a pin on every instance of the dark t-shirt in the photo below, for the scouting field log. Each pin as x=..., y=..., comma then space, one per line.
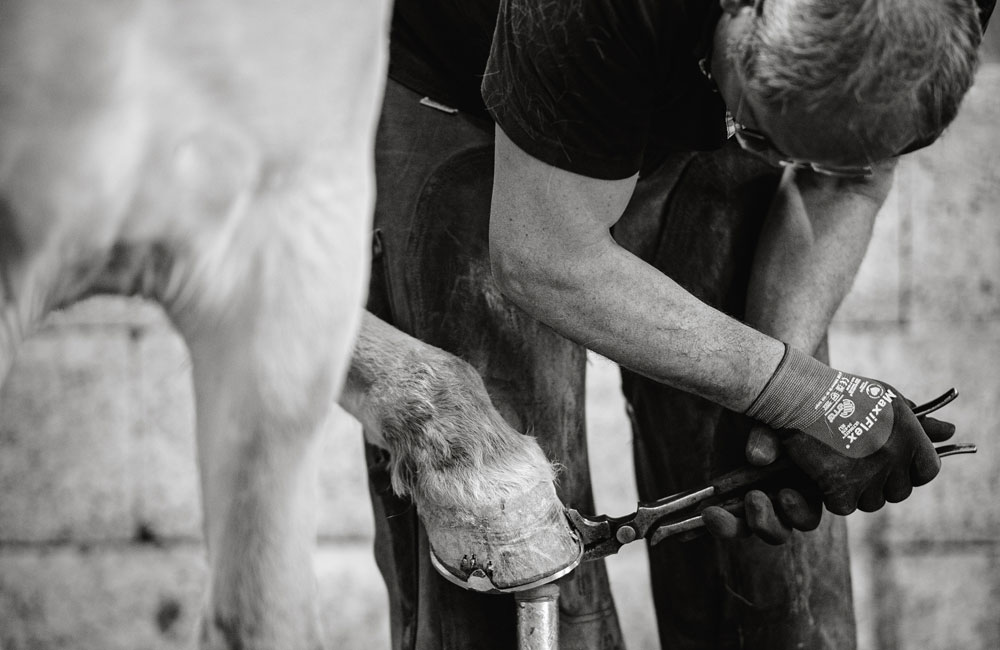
x=602, y=88
x=576, y=82
x=598, y=87
x=439, y=48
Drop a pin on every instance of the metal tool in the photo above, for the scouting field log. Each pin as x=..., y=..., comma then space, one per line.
x=681, y=513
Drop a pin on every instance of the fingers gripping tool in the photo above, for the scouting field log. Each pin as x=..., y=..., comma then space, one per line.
x=679, y=514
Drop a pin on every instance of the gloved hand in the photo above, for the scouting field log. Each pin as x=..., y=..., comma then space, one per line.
x=856, y=437
x=770, y=517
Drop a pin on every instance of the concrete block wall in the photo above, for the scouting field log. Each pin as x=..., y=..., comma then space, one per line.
x=925, y=315
x=99, y=516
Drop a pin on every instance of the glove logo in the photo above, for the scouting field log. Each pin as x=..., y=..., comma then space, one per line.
x=877, y=424
x=846, y=408
x=874, y=391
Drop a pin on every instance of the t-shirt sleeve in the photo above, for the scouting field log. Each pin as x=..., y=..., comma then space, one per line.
x=569, y=81
x=985, y=11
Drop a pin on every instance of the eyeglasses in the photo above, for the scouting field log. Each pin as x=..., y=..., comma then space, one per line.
x=757, y=143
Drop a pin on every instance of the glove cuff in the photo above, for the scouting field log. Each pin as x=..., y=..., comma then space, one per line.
x=851, y=414
x=788, y=401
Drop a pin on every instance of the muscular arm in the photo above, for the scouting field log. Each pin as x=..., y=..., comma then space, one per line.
x=813, y=241
x=553, y=254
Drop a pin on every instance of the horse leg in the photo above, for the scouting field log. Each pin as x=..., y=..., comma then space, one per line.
x=483, y=490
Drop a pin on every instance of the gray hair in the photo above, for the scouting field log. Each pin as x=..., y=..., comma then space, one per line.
x=892, y=72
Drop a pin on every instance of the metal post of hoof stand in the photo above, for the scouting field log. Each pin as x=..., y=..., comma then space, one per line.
x=538, y=618
x=537, y=602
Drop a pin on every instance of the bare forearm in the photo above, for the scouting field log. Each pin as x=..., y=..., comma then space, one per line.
x=616, y=304
x=552, y=253
x=813, y=241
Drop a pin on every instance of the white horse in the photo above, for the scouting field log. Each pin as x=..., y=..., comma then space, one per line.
x=216, y=156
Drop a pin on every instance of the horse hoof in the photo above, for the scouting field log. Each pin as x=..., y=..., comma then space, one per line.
x=513, y=544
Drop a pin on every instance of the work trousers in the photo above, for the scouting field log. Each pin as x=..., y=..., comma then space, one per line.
x=696, y=218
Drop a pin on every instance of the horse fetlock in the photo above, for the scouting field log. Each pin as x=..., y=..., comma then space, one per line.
x=482, y=489
x=448, y=442
x=263, y=592
x=234, y=632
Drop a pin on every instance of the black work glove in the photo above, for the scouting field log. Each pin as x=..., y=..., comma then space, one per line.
x=770, y=516
x=906, y=459
x=857, y=438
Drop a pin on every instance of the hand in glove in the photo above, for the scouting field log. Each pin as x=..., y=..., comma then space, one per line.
x=772, y=517
x=856, y=437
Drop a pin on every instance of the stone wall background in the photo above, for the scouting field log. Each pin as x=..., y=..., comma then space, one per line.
x=99, y=518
